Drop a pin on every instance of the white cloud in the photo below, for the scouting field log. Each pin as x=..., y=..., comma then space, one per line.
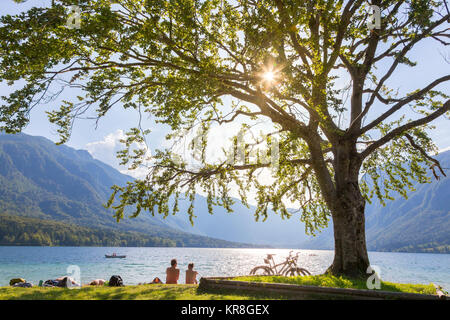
x=445, y=149
x=106, y=150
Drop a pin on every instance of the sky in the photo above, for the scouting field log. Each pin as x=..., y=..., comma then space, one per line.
x=102, y=139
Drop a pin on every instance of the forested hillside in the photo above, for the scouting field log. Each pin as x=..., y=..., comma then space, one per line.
x=41, y=180
x=23, y=231
x=36, y=232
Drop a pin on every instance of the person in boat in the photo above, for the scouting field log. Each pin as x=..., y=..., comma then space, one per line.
x=191, y=275
x=172, y=273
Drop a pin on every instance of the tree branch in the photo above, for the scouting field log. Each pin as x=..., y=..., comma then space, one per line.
x=403, y=102
x=435, y=161
x=400, y=130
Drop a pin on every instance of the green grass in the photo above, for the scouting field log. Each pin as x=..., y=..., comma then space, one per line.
x=340, y=282
x=191, y=292
x=141, y=292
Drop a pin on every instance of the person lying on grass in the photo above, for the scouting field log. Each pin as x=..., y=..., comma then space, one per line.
x=155, y=281
x=97, y=282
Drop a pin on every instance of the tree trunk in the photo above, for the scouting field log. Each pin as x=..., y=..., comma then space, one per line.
x=347, y=210
x=350, y=252
x=346, y=204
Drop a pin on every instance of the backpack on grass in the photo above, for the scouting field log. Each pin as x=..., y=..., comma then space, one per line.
x=16, y=280
x=116, y=281
x=51, y=283
x=23, y=285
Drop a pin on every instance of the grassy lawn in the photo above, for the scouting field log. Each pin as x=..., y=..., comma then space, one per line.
x=340, y=282
x=191, y=292
x=141, y=292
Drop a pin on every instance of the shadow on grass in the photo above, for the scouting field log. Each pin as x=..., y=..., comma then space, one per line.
x=236, y=294
x=331, y=281
x=65, y=294
x=151, y=292
x=192, y=292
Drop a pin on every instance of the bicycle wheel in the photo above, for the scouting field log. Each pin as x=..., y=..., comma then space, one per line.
x=303, y=271
x=293, y=272
x=261, y=271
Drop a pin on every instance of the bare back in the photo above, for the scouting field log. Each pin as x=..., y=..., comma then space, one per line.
x=191, y=277
x=172, y=275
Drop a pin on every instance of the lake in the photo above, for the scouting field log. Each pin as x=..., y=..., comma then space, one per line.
x=144, y=264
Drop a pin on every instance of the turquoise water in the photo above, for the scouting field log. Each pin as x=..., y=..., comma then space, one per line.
x=143, y=264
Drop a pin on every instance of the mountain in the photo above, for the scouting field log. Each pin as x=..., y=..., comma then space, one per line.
x=420, y=223
x=41, y=180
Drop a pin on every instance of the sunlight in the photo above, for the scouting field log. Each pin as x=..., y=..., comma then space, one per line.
x=269, y=76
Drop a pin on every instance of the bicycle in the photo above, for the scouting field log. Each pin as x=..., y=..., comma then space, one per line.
x=287, y=268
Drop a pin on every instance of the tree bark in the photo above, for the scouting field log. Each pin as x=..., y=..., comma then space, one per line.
x=350, y=251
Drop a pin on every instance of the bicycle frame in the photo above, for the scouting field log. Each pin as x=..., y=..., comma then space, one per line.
x=290, y=262
x=287, y=268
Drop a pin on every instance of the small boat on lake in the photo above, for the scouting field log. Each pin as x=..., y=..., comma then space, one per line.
x=114, y=256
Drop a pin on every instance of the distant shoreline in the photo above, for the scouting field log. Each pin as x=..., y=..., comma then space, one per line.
x=197, y=247
x=205, y=247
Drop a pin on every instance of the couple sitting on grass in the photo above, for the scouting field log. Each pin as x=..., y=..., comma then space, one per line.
x=172, y=273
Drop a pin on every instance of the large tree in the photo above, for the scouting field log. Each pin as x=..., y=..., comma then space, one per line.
x=206, y=63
